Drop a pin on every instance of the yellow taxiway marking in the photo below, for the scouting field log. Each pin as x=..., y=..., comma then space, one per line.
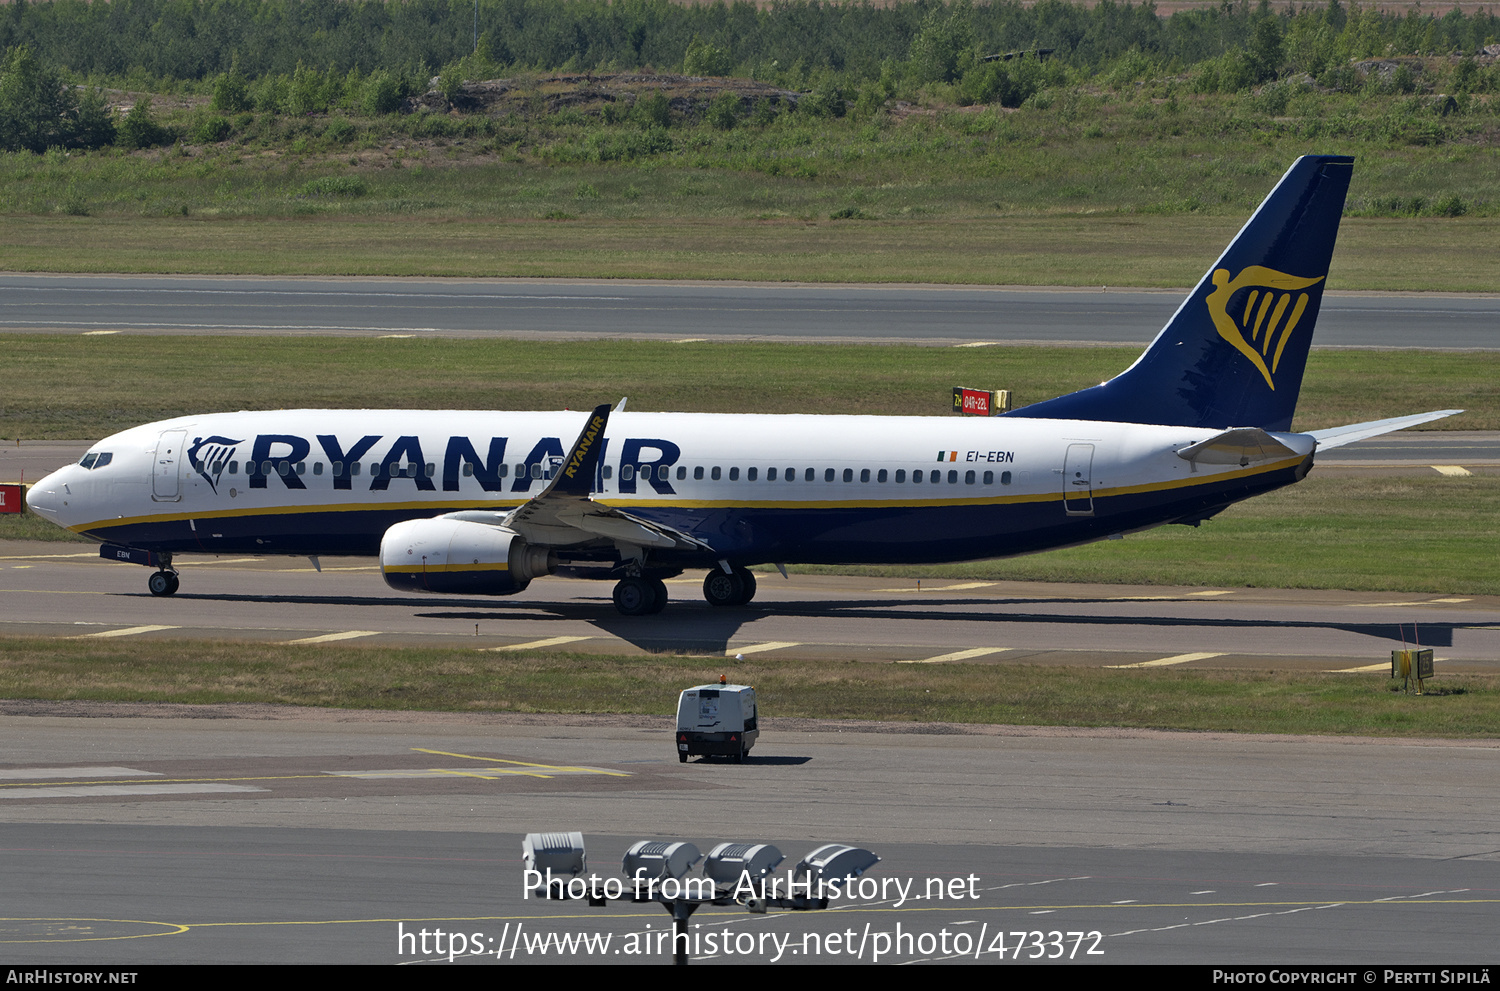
x=959, y=655
x=942, y=588
x=98, y=333
x=691, y=340
x=522, y=763
x=129, y=631
x=1370, y=668
x=534, y=644
x=976, y=344
x=757, y=648
x=330, y=637
x=1162, y=662
x=395, y=337
x=1455, y=471
x=1224, y=592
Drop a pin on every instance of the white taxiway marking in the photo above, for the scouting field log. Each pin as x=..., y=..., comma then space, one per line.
x=960, y=655
x=22, y=773
x=943, y=588
x=549, y=642
x=1162, y=662
x=330, y=637
x=129, y=631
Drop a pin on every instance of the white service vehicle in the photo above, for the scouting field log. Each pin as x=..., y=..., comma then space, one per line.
x=716, y=721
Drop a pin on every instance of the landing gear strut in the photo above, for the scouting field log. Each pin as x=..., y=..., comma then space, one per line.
x=640, y=596
x=734, y=589
x=163, y=582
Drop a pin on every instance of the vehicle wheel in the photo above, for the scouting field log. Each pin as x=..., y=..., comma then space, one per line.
x=162, y=583
x=634, y=597
x=739, y=758
x=747, y=581
x=723, y=590
x=681, y=757
x=659, y=589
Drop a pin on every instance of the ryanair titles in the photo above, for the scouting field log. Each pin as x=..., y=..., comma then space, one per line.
x=376, y=462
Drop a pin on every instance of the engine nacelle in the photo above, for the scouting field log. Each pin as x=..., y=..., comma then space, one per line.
x=457, y=556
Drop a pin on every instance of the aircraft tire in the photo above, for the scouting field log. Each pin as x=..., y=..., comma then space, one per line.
x=725, y=590
x=635, y=597
x=659, y=589
x=162, y=583
x=747, y=582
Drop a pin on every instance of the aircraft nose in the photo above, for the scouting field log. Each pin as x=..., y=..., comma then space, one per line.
x=42, y=497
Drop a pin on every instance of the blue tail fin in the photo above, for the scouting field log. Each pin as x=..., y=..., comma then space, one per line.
x=1233, y=353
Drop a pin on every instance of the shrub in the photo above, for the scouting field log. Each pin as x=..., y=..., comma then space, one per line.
x=139, y=129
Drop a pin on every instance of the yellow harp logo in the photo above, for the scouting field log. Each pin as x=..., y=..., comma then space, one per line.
x=1262, y=330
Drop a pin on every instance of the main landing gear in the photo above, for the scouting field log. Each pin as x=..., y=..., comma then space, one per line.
x=733, y=589
x=640, y=596
x=163, y=582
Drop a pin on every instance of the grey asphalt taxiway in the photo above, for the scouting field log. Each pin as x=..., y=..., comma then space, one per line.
x=676, y=311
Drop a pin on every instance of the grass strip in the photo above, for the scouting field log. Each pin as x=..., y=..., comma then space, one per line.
x=206, y=672
x=1084, y=249
x=71, y=386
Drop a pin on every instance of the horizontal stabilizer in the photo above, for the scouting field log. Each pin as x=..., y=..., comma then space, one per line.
x=1339, y=436
x=1240, y=446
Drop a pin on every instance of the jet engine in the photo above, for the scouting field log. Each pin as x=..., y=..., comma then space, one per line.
x=443, y=555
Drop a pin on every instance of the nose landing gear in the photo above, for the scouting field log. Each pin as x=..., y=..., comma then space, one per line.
x=163, y=582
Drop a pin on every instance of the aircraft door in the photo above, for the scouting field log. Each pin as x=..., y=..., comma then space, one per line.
x=167, y=467
x=1078, y=484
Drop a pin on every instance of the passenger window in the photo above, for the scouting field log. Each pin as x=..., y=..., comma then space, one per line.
x=791, y=474
x=503, y=471
x=698, y=474
x=645, y=473
x=430, y=471
x=881, y=476
x=355, y=467
x=916, y=476
x=734, y=474
x=520, y=471
x=302, y=467
x=864, y=474
x=265, y=467
x=627, y=472
x=901, y=475
x=935, y=476
x=469, y=470
x=812, y=475
x=715, y=473
x=317, y=467
x=1005, y=478
x=989, y=478
x=953, y=478
x=234, y=467
x=681, y=472
x=969, y=477
x=338, y=469
x=751, y=473
x=536, y=471
x=609, y=471
x=828, y=474
x=770, y=474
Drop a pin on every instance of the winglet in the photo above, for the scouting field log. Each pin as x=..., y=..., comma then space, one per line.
x=577, y=475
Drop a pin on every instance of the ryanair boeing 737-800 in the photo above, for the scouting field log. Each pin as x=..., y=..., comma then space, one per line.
x=480, y=503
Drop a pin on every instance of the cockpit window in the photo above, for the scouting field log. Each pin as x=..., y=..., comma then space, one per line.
x=88, y=460
x=93, y=460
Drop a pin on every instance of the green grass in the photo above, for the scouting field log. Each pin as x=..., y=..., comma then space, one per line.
x=71, y=386
x=1130, y=188
x=461, y=680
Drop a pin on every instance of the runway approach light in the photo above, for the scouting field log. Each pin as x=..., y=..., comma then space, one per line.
x=560, y=853
x=733, y=874
x=656, y=860
x=729, y=863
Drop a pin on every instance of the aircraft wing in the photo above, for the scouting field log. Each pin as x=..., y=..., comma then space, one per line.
x=1339, y=436
x=564, y=514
